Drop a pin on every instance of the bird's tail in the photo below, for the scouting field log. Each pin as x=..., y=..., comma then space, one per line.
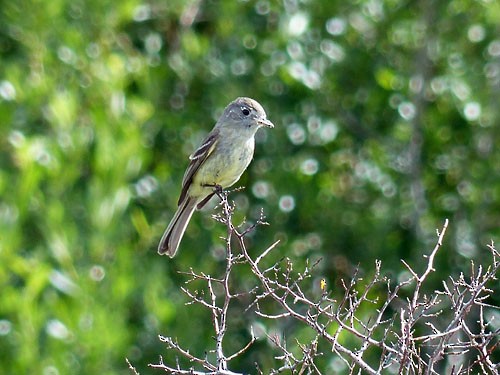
x=173, y=234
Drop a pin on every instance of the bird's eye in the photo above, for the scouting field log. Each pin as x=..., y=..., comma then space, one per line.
x=245, y=111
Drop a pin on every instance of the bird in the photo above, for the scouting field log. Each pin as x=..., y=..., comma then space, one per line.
x=217, y=163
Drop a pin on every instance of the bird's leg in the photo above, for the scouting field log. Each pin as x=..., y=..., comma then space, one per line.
x=217, y=190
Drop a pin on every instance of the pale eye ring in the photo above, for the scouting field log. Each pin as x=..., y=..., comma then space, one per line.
x=245, y=111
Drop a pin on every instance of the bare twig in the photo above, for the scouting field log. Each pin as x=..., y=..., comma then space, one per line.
x=384, y=328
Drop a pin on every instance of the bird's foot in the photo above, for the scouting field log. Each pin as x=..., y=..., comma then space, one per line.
x=217, y=188
x=219, y=191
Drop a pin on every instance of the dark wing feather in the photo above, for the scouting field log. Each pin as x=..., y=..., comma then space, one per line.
x=197, y=159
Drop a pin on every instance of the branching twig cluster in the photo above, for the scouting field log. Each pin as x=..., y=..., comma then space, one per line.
x=450, y=330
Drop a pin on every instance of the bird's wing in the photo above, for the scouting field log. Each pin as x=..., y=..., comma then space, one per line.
x=196, y=160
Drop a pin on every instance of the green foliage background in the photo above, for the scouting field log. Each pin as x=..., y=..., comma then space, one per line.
x=386, y=116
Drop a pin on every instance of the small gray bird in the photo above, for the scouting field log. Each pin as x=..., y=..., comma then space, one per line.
x=219, y=162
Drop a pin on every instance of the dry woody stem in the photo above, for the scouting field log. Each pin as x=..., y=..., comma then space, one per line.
x=452, y=329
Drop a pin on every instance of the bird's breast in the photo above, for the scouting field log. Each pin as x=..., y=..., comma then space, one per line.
x=226, y=163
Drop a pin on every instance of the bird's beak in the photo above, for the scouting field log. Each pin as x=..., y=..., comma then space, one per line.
x=265, y=122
